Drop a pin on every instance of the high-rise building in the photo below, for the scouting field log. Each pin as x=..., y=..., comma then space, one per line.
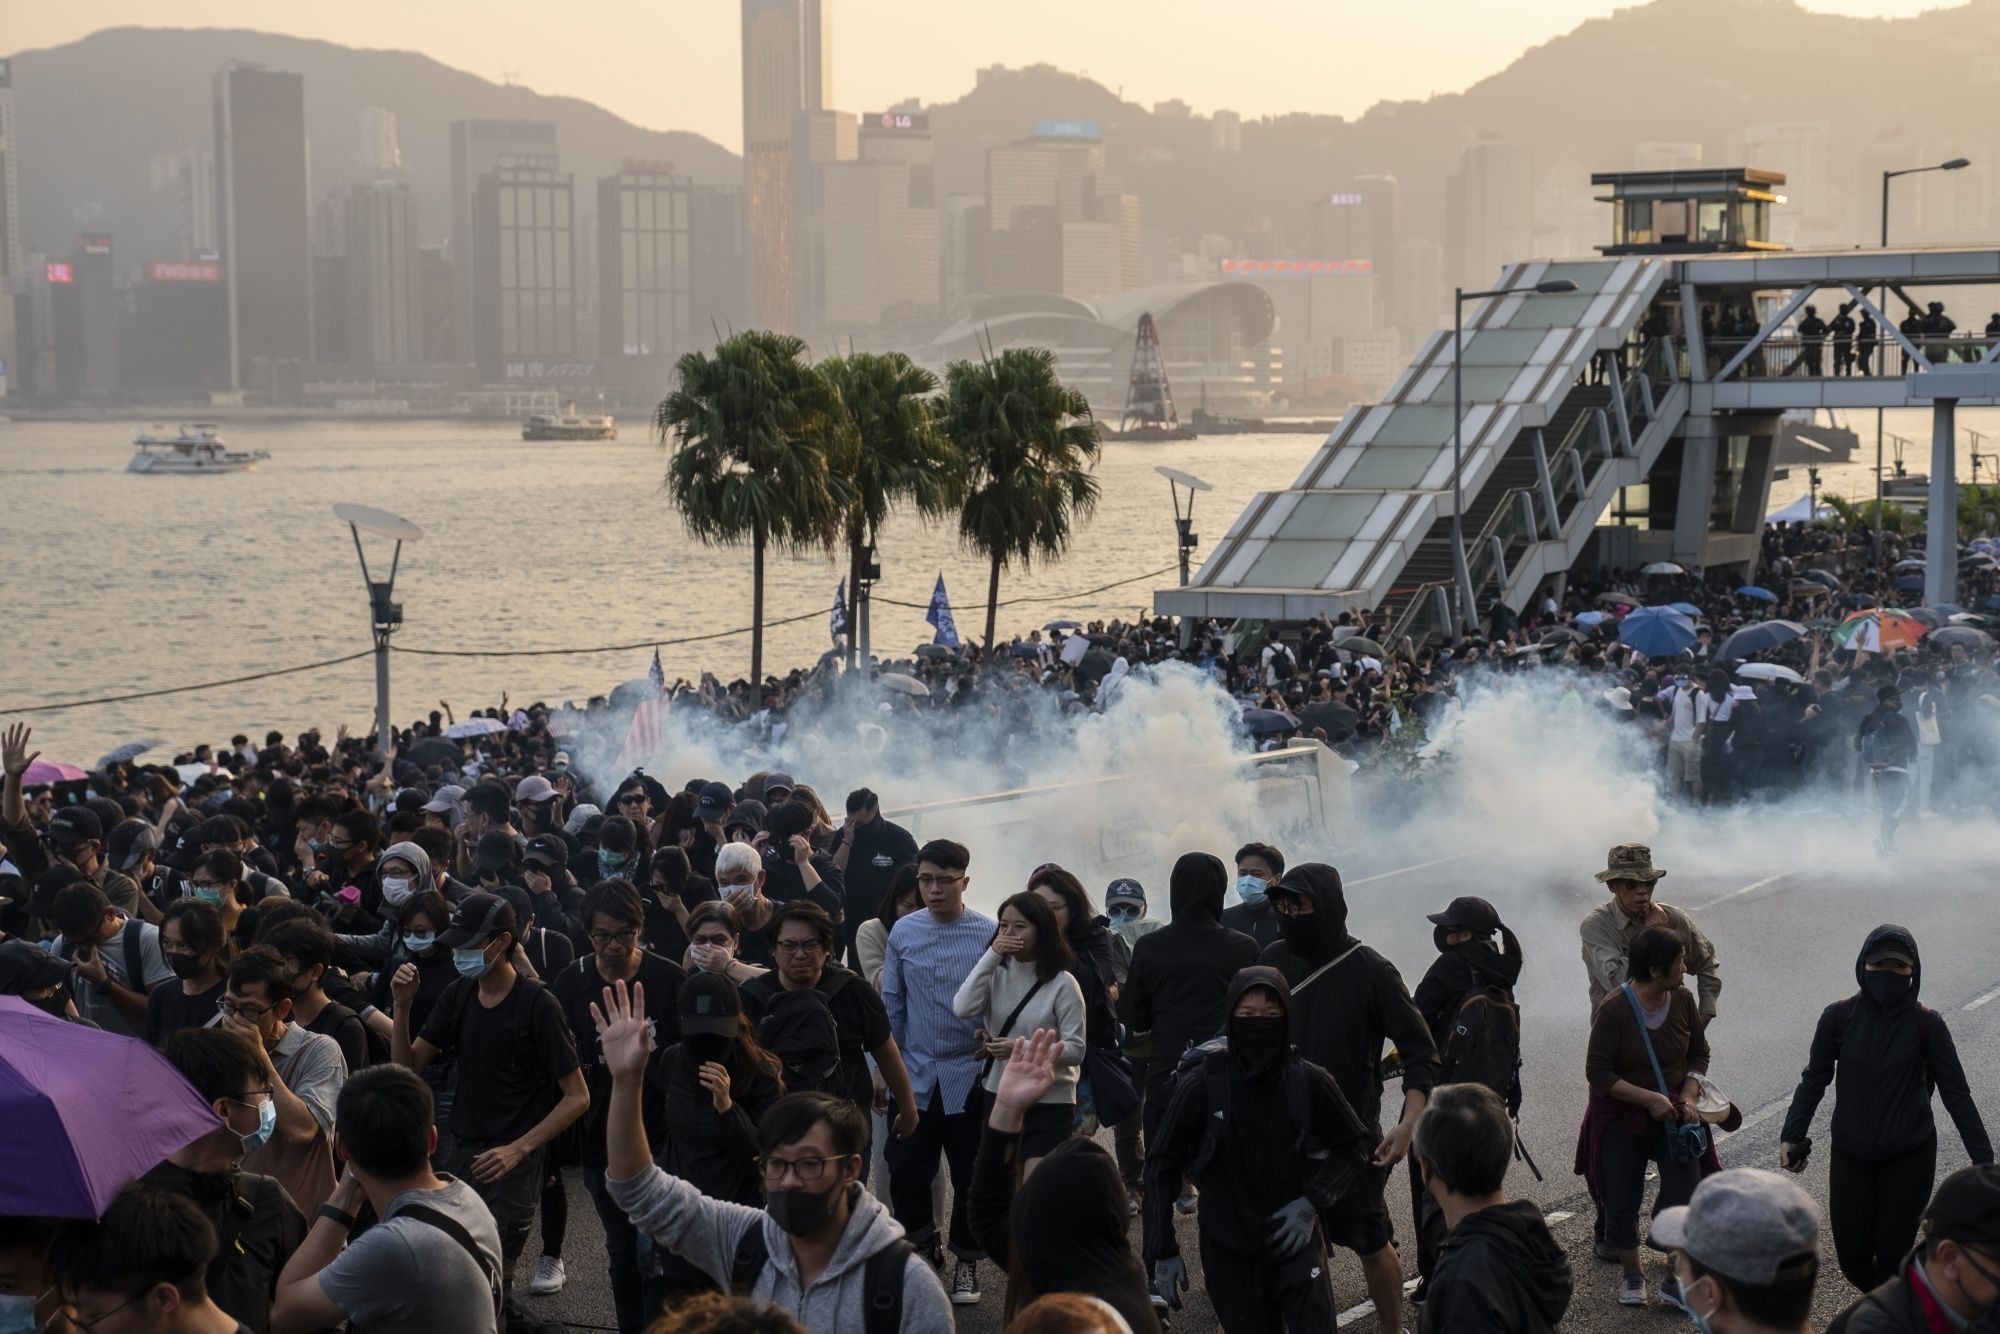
x=1225, y=132
x=378, y=148
x=787, y=69
x=434, y=301
x=385, y=321
x=84, y=312
x=180, y=331
x=525, y=290
x=820, y=139
x=962, y=229
x=903, y=136
x=881, y=253
x=329, y=277
x=184, y=184
x=1040, y=192
x=1361, y=221
x=1489, y=212
x=264, y=206
x=1802, y=150
x=718, y=262
x=644, y=314
x=478, y=147
x=12, y=275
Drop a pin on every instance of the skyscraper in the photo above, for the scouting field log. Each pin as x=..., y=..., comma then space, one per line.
x=11, y=273
x=377, y=147
x=264, y=207
x=1489, y=212
x=525, y=290
x=384, y=276
x=184, y=183
x=881, y=254
x=477, y=148
x=718, y=280
x=643, y=313
x=786, y=70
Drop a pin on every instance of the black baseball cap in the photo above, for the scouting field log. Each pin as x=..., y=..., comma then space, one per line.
x=476, y=920
x=714, y=802
x=1966, y=1208
x=776, y=783
x=495, y=851
x=709, y=1004
x=75, y=824
x=747, y=815
x=26, y=967
x=130, y=841
x=1469, y=914
x=547, y=850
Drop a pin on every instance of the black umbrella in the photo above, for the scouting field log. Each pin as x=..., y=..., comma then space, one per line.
x=435, y=750
x=1970, y=639
x=934, y=652
x=1824, y=577
x=1758, y=638
x=1335, y=717
x=1265, y=722
x=1857, y=601
x=1094, y=665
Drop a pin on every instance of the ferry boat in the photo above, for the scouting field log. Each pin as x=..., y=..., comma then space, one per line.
x=193, y=448
x=568, y=426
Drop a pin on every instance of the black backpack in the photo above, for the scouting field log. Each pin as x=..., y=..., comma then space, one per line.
x=1209, y=1062
x=881, y=1278
x=1483, y=1045
x=799, y=1030
x=1283, y=665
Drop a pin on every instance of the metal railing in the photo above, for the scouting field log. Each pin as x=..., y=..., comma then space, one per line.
x=1427, y=614
x=1823, y=358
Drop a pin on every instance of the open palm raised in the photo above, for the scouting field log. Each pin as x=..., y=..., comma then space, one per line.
x=623, y=1035
x=1030, y=1070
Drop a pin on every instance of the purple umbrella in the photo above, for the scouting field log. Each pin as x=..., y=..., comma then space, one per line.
x=49, y=771
x=86, y=1112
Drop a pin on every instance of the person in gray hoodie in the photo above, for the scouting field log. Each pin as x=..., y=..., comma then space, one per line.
x=822, y=1247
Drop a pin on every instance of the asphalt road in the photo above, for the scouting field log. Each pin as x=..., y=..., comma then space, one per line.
x=1786, y=901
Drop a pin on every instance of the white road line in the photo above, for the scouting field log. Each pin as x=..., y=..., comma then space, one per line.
x=1757, y=1118
x=1354, y=1313
x=1751, y=888
x=1559, y=1216
x=1420, y=866
x=1981, y=999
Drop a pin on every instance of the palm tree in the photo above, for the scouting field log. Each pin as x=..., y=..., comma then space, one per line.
x=753, y=430
x=890, y=450
x=1027, y=442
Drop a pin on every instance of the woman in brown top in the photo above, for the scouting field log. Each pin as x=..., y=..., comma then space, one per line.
x=1628, y=1110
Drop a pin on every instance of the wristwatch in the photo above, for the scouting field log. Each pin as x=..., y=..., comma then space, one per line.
x=346, y=1220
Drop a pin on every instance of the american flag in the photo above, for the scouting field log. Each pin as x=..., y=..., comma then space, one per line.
x=648, y=732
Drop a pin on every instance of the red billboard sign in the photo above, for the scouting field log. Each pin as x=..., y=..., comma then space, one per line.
x=184, y=271
x=59, y=271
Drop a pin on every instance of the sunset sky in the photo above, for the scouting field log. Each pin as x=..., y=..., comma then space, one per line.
x=672, y=64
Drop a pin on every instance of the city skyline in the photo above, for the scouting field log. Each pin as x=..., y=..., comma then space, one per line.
x=1298, y=57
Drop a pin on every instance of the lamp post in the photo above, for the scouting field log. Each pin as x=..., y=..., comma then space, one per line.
x=1881, y=296
x=385, y=614
x=1185, y=537
x=1461, y=572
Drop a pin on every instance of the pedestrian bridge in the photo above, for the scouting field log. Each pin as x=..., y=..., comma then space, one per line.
x=1570, y=398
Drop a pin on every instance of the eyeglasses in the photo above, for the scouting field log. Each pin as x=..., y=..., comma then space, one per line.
x=231, y=1006
x=938, y=881
x=798, y=947
x=1289, y=905
x=625, y=937
x=88, y=1325
x=805, y=1169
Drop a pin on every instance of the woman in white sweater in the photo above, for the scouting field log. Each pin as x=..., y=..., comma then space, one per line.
x=1020, y=984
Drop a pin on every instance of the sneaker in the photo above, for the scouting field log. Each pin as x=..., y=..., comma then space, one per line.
x=965, y=1284
x=1632, y=1292
x=1670, y=1293
x=1604, y=1251
x=549, y=1277
x=1131, y=1204
x=1421, y=1291
x=1189, y=1200
x=933, y=1250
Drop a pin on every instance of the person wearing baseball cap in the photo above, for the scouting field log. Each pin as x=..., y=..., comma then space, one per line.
x=1125, y=903
x=519, y=1082
x=1746, y=1253
x=1952, y=1280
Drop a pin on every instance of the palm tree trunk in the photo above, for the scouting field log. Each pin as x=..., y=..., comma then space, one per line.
x=992, y=604
x=757, y=621
x=856, y=544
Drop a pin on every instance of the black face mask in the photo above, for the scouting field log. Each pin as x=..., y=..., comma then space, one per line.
x=701, y=1048
x=802, y=1212
x=185, y=966
x=1259, y=1043
x=1887, y=988
x=1439, y=936
x=1301, y=933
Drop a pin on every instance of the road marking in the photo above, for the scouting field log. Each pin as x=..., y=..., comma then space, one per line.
x=1981, y=999
x=1420, y=866
x=1559, y=1216
x=1354, y=1313
x=1756, y=1118
x=1751, y=888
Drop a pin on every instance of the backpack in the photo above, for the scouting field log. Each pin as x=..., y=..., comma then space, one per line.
x=1483, y=1045
x=1282, y=663
x=881, y=1278
x=130, y=944
x=461, y=997
x=1209, y=1062
x=1844, y=1009
x=799, y=1030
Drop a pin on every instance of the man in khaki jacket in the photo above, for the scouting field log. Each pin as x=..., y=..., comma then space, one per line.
x=1609, y=929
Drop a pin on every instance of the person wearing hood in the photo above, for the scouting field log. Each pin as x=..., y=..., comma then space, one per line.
x=1884, y=1053
x=1180, y=976
x=1275, y=1145
x=1258, y=866
x=402, y=870
x=1357, y=1002
x=1466, y=964
x=1499, y=1269
x=1065, y=1228
x=821, y=1247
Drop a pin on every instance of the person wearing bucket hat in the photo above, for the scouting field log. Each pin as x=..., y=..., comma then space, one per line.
x=1883, y=1053
x=1746, y=1253
x=1951, y=1281
x=1609, y=929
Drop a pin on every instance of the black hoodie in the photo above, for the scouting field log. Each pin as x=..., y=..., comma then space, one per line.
x=1261, y=1161
x=1884, y=1060
x=1499, y=1271
x=1347, y=1012
x=1456, y=971
x=1180, y=973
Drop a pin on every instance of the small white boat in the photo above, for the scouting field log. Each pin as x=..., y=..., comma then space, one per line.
x=568, y=426
x=194, y=448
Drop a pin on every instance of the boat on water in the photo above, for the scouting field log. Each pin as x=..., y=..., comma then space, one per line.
x=568, y=426
x=194, y=448
x=1815, y=436
x=1212, y=423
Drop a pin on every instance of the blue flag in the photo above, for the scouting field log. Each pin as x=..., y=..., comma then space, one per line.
x=836, y=625
x=940, y=617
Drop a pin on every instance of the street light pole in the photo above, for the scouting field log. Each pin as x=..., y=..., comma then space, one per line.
x=385, y=614
x=1461, y=570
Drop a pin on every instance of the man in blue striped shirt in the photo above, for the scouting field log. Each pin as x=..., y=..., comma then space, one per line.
x=930, y=955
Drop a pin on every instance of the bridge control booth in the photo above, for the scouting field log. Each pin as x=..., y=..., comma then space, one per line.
x=1610, y=412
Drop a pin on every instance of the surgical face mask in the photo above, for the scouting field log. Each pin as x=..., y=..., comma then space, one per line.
x=209, y=894
x=395, y=889
x=267, y=1122
x=1695, y=1317
x=419, y=942
x=608, y=863
x=17, y=1314
x=1250, y=888
x=803, y=1212
x=471, y=961
x=1887, y=988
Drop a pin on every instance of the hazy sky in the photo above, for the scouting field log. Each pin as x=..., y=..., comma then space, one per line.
x=673, y=64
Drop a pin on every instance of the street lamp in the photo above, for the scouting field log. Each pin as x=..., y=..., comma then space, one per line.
x=1184, y=534
x=385, y=614
x=1461, y=572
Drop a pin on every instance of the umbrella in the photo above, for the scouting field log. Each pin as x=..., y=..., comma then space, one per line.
x=1965, y=636
x=1807, y=588
x=933, y=652
x=1686, y=608
x=129, y=751
x=434, y=750
x=48, y=771
x=1662, y=567
x=1590, y=619
x=1657, y=632
x=1758, y=638
x=1855, y=601
x=1094, y=664
x=1769, y=671
x=1053, y=626
x=902, y=685
x=1026, y=650
x=1909, y=583
x=1265, y=722
x=1761, y=594
x=86, y=1111
x=1905, y=566
x=1564, y=632
x=1335, y=718
x=1879, y=631
x=1930, y=616
x=475, y=727
x=1361, y=644
x=1616, y=600
x=1823, y=577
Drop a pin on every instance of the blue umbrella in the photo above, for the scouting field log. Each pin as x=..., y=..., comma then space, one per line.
x=1761, y=594
x=1590, y=620
x=1685, y=608
x=1657, y=632
x=1909, y=584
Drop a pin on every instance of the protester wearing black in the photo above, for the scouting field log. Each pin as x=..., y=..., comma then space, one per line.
x=1885, y=1054
x=1952, y=1280
x=1349, y=1001
x=306, y=945
x=672, y=890
x=1275, y=1146
x=1181, y=974
x=1499, y=1269
x=792, y=869
x=866, y=852
x=1888, y=747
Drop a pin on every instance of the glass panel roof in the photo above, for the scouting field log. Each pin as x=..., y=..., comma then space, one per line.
x=1294, y=564
x=1501, y=347
x=1392, y=468
x=1415, y=424
x=1482, y=384
x=1329, y=514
